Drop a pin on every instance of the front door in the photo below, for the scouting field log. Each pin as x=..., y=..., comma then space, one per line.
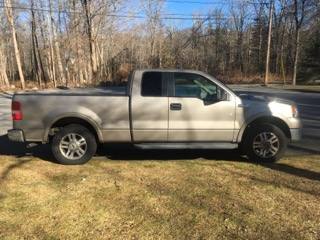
x=197, y=112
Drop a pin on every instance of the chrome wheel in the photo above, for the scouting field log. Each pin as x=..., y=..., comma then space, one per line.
x=266, y=145
x=73, y=146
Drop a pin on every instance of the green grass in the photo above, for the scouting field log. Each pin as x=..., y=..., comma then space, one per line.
x=153, y=199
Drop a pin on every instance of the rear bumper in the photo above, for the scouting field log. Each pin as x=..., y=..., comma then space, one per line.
x=16, y=135
x=295, y=134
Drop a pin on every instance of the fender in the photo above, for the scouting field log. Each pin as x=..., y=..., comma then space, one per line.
x=78, y=112
x=255, y=117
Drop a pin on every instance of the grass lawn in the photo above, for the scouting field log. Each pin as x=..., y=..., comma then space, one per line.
x=155, y=199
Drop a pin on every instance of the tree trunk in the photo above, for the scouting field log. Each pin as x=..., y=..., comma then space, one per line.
x=3, y=68
x=78, y=55
x=9, y=13
x=92, y=47
x=296, y=57
x=46, y=38
x=299, y=15
x=266, y=79
x=37, y=68
x=56, y=47
x=52, y=58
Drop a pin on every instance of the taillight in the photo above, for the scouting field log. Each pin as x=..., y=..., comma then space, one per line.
x=16, y=111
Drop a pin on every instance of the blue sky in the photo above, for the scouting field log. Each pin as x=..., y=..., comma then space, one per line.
x=195, y=9
x=191, y=8
x=187, y=9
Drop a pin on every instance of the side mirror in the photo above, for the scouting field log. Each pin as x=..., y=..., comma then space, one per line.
x=222, y=95
x=209, y=101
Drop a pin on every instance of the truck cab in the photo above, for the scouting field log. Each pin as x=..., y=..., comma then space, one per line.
x=181, y=106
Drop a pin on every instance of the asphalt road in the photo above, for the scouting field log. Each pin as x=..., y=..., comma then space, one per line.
x=308, y=106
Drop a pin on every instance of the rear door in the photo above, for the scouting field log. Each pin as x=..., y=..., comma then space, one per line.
x=197, y=112
x=149, y=107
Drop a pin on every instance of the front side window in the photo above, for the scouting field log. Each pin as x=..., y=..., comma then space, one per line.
x=152, y=85
x=194, y=85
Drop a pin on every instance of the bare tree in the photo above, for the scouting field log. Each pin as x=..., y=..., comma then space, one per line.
x=56, y=46
x=266, y=79
x=239, y=14
x=299, y=15
x=3, y=68
x=87, y=5
x=82, y=42
x=39, y=68
x=153, y=9
x=10, y=17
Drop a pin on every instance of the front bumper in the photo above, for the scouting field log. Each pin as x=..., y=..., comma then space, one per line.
x=295, y=134
x=16, y=135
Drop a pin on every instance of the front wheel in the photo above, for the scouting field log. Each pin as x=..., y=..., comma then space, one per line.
x=73, y=144
x=265, y=143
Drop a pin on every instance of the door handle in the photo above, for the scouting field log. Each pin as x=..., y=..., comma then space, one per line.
x=175, y=106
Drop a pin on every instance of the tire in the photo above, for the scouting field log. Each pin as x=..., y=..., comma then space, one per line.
x=73, y=144
x=261, y=142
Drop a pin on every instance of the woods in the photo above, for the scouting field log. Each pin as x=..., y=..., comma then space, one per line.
x=49, y=43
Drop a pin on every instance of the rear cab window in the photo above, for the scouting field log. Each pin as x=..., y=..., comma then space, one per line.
x=153, y=84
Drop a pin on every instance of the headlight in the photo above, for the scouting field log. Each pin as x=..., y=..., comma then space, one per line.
x=285, y=109
x=294, y=110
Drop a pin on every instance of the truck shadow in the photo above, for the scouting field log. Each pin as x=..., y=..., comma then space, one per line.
x=120, y=152
x=125, y=152
x=129, y=153
x=20, y=149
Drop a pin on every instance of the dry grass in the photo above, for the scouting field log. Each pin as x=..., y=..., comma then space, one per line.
x=178, y=199
x=241, y=78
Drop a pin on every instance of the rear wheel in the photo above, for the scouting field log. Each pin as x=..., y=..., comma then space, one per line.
x=265, y=143
x=73, y=144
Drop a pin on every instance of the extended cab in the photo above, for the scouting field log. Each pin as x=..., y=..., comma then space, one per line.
x=158, y=108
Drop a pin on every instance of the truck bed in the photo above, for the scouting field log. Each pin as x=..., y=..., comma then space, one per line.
x=106, y=108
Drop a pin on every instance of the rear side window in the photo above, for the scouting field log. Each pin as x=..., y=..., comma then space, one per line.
x=153, y=85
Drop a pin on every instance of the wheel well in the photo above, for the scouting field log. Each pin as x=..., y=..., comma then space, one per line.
x=268, y=120
x=73, y=120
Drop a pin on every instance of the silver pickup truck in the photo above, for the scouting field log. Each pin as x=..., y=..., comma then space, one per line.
x=158, y=109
